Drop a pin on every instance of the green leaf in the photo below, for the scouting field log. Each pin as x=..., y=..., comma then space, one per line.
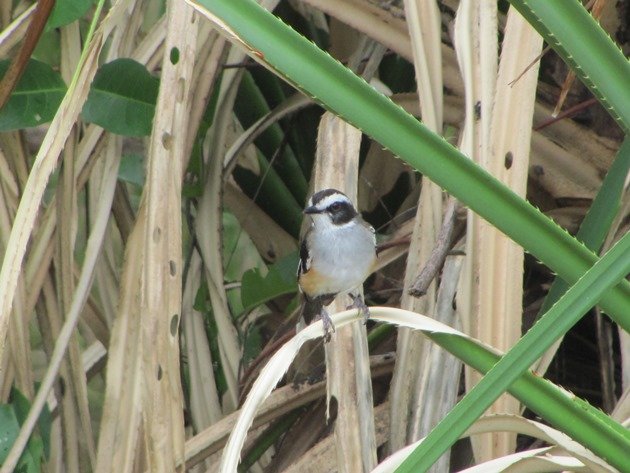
x=250, y=105
x=35, y=99
x=599, y=217
x=48, y=47
x=67, y=11
x=11, y=417
x=131, y=169
x=9, y=429
x=271, y=194
x=31, y=459
x=604, y=274
x=22, y=406
x=122, y=98
x=257, y=289
x=253, y=343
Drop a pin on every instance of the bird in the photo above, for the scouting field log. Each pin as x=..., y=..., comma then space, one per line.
x=337, y=254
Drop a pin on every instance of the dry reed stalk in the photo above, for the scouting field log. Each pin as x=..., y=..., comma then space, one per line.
x=162, y=400
x=496, y=319
x=208, y=230
x=413, y=350
x=347, y=364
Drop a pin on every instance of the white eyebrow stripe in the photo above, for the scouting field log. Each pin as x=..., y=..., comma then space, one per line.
x=330, y=199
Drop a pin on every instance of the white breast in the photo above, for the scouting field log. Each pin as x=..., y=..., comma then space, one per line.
x=345, y=254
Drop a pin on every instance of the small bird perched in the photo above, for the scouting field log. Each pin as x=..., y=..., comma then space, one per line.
x=337, y=254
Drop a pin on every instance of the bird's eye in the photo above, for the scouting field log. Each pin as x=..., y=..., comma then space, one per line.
x=335, y=207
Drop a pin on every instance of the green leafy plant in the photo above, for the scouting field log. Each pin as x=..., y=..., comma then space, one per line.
x=35, y=99
x=122, y=98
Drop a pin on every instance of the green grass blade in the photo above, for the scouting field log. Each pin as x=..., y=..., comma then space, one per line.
x=612, y=267
x=250, y=105
x=564, y=411
x=599, y=217
x=575, y=35
x=315, y=72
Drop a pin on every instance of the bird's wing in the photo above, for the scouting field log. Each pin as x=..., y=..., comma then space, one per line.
x=305, y=258
x=371, y=229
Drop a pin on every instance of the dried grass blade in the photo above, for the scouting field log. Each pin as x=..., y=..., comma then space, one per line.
x=516, y=425
x=80, y=296
x=205, y=78
x=18, y=328
x=205, y=406
x=208, y=231
x=44, y=164
x=15, y=31
x=276, y=367
x=122, y=410
x=270, y=239
x=84, y=451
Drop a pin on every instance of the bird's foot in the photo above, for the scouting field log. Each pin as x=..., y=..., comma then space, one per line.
x=329, y=327
x=358, y=303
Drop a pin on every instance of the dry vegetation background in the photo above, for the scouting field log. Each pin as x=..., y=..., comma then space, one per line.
x=147, y=279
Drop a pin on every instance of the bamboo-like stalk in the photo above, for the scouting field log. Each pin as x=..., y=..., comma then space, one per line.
x=476, y=46
x=347, y=366
x=162, y=264
x=423, y=21
x=477, y=53
x=497, y=260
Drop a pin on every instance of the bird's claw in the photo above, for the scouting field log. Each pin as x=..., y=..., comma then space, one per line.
x=358, y=303
x=329, y=327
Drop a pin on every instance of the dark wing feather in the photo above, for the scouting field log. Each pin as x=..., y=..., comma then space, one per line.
x=305, y=258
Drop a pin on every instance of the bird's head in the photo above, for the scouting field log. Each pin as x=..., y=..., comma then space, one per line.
x=331, y=205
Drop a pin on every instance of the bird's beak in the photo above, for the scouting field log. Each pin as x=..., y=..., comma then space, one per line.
x=311, y=210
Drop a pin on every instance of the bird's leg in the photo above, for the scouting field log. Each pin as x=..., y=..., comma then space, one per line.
x=327, y=322
x=357, y=302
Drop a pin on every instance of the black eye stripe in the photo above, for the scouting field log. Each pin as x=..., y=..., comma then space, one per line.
x=341, y=212
x=333, y=203
x=339, y=206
